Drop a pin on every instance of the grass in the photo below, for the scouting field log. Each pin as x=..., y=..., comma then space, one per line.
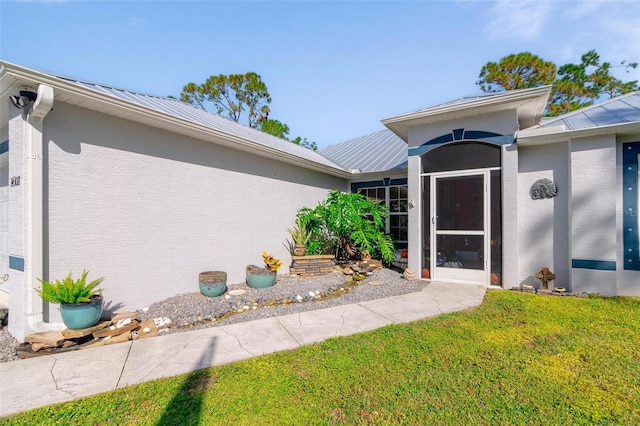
x=517, y=359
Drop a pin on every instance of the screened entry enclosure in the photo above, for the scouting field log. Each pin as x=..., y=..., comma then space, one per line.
x=462, y=213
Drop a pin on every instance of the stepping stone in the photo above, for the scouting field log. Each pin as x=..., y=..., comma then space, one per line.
x=116, y=331
x=51, y=338
x=75, y=334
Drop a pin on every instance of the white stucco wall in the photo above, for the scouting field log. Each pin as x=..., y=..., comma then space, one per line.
x=510, y=214
x=593, y=212
x=543, y=225
x=16, y=286
x=150, y=210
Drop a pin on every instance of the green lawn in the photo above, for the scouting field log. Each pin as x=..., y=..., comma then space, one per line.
x=517, y=359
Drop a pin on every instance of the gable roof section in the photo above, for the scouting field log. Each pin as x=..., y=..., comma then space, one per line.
x=529, y=103
x=168, y=114
x=378, y=151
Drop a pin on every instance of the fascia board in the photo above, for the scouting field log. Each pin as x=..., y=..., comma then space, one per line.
x=561, y=136
x=155, y=118
x=400, y=123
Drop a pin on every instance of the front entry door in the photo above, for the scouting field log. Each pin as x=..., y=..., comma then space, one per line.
x=460, y=227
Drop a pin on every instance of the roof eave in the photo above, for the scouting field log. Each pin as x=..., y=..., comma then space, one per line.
x=152, y=117
x=530, y=104
x=534, y=138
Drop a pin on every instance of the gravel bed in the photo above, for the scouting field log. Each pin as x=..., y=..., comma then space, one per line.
x=289, y=295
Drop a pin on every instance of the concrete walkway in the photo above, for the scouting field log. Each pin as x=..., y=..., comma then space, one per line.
x=51, y=379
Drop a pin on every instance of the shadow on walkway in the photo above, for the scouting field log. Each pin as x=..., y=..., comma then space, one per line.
x=185, y=408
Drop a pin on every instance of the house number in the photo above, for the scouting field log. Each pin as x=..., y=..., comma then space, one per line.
x=15, y=181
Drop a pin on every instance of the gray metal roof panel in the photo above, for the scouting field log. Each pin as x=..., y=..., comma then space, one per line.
x=619, y=110
x=198, y=116
x=378, y=151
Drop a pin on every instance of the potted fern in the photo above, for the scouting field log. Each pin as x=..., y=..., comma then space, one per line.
x=80, y=302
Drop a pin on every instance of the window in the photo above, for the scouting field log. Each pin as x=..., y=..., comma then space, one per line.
x=395, y=197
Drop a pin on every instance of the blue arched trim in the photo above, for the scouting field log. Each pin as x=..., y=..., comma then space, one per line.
x=462, y=135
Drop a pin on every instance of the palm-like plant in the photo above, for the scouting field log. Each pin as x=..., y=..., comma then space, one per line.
x=68, y=290
x=350, y=222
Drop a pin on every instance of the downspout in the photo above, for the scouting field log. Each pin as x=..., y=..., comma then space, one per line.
x=35, y=208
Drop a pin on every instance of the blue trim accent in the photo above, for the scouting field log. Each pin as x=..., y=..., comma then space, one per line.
x=16, y=263
x=457, y=134
x=600, y=265
x=630, y=183
x=4, y=147
x=373, y=183
x=461, y=134
x=479, y=134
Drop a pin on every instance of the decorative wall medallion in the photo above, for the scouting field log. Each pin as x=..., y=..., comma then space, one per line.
x=543, y=188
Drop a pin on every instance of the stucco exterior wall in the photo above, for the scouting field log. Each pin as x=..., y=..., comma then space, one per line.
x=150, y=210
x=510, y=214
x=543, y=225
x=593, y=214
x=503, y=122
x=16, y=284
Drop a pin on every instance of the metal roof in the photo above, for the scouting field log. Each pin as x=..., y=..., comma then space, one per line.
x=195, y=115
x=379, y=151
x=620, y=110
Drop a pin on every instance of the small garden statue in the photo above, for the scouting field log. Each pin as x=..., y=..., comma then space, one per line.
x=545, y=275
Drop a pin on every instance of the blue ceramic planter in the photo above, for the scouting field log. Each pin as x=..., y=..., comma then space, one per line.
x=258, y=277
x=81, y=315
x=213, y=283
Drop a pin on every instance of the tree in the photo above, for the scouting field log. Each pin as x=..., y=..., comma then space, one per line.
x=574, y=86
x=274, y=128
x=303, y=142
x=517, y=71
x=347, y=223
x=580, y=85
x=231, y=95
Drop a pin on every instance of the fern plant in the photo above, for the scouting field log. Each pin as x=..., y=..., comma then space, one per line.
x=69, y=291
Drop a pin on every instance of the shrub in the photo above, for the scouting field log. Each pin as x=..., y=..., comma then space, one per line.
x=346, y=223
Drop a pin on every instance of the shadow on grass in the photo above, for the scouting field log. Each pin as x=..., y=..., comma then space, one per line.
x=185, y=408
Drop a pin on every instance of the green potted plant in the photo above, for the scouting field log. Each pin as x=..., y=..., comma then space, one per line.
x=262, y=277
x=300, y=238
x=80, y=302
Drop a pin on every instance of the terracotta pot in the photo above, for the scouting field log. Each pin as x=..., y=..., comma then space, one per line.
x=404, y=253
x=495, y=278
x=425, y=273
x=299, y=250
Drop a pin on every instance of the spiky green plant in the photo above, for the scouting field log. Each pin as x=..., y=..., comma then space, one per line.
x=69, y=291
x=299, y=233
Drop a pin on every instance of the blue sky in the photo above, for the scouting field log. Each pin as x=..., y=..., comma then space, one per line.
x=333, y=69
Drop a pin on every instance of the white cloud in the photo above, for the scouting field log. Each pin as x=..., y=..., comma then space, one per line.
x=524, y=19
